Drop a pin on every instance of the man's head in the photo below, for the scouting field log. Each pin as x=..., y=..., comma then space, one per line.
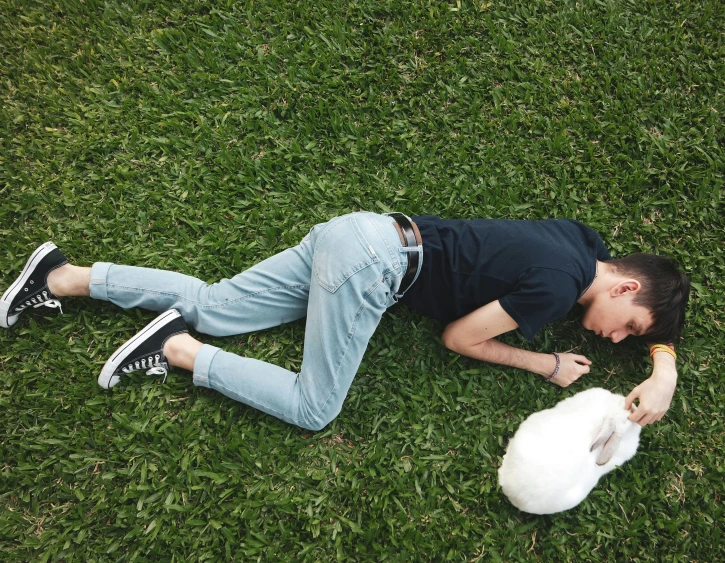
x=641, y=294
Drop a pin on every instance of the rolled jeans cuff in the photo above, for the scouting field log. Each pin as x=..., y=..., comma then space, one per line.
x=202, y=365
x=99, y=274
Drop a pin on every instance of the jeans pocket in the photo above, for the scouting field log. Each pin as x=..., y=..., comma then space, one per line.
x=340, y=252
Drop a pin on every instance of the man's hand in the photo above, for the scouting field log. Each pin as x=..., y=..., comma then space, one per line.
x=572, y=367
x=654, y=394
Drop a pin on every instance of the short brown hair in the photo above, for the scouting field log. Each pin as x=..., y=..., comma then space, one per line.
x=665, y=292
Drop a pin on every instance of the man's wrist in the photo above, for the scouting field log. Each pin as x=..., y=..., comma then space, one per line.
x=663, y=359
x=665, y=368
x=545, y=365
x=556, y=369
x=655, y=349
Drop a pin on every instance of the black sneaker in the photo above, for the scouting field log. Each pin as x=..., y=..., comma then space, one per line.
x=144, y=351
x=31, y=288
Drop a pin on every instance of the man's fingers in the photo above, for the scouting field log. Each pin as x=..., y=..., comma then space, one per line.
x=644, y=418
x=649, y=419
x=630, y=399
x=582, y=360
x=637, y=415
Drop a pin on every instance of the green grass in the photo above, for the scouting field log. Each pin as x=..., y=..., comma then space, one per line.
x=205, y=136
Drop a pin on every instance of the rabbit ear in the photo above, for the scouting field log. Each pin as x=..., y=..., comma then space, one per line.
x=609, y=449
x=609, y=439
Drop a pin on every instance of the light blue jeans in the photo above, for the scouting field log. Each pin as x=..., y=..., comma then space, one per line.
x=343, y=276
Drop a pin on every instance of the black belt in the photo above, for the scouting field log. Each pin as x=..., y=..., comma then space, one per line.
x=406, y=228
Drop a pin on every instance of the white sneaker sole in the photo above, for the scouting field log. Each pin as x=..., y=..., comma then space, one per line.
x=41, y=252
x=107, y=379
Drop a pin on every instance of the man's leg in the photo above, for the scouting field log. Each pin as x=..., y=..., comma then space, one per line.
x=274, y=291
x=270, y=293
x=70, y=281
x=356, y=267
x=348, y=269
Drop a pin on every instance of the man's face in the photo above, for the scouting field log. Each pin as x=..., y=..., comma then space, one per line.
x=615, y=316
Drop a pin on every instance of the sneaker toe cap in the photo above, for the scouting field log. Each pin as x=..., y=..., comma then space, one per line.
x=107, y=381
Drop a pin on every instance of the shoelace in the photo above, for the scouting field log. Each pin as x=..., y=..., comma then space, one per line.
x=52, y=303
x=154, y=363
x=43, y=300
x=158, y=371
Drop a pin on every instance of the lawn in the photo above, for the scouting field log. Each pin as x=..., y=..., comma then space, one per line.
x=204, y=136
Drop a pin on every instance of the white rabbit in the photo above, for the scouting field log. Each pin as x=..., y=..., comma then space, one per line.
x=557, y=455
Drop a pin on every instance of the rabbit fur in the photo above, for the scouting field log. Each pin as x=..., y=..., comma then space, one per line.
x=557, y=455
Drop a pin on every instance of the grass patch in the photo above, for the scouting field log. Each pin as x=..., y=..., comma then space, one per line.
x=205, y=136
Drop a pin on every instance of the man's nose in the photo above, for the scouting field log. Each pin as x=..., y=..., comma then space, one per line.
x=617, y=336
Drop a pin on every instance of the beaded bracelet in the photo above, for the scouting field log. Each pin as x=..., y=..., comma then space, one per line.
x=662, y=348
x=558, y=365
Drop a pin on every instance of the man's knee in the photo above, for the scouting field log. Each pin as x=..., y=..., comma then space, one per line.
x=314, y=425
x=318, y=421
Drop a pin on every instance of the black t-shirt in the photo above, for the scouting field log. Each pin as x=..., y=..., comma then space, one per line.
x=536, y=269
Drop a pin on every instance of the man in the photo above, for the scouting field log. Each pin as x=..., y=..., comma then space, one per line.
x=482, y=277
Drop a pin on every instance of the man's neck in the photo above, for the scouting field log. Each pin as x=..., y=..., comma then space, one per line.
x=600, y=283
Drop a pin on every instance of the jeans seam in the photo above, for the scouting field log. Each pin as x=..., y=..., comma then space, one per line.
x=369, y=292
x=207, y=307
x=396, y=265
x=394, y=259
x=339, y=364
x=351, y=333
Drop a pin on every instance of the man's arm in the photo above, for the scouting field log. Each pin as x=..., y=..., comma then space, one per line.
x=474, y=336
x=654, y=394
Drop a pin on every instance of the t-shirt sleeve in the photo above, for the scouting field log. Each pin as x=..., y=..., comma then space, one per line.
x=542, y=296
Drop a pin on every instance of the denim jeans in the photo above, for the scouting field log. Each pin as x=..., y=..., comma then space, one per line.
x=343, y=276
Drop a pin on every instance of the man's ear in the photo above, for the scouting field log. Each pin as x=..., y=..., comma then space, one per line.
x=626, y=286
